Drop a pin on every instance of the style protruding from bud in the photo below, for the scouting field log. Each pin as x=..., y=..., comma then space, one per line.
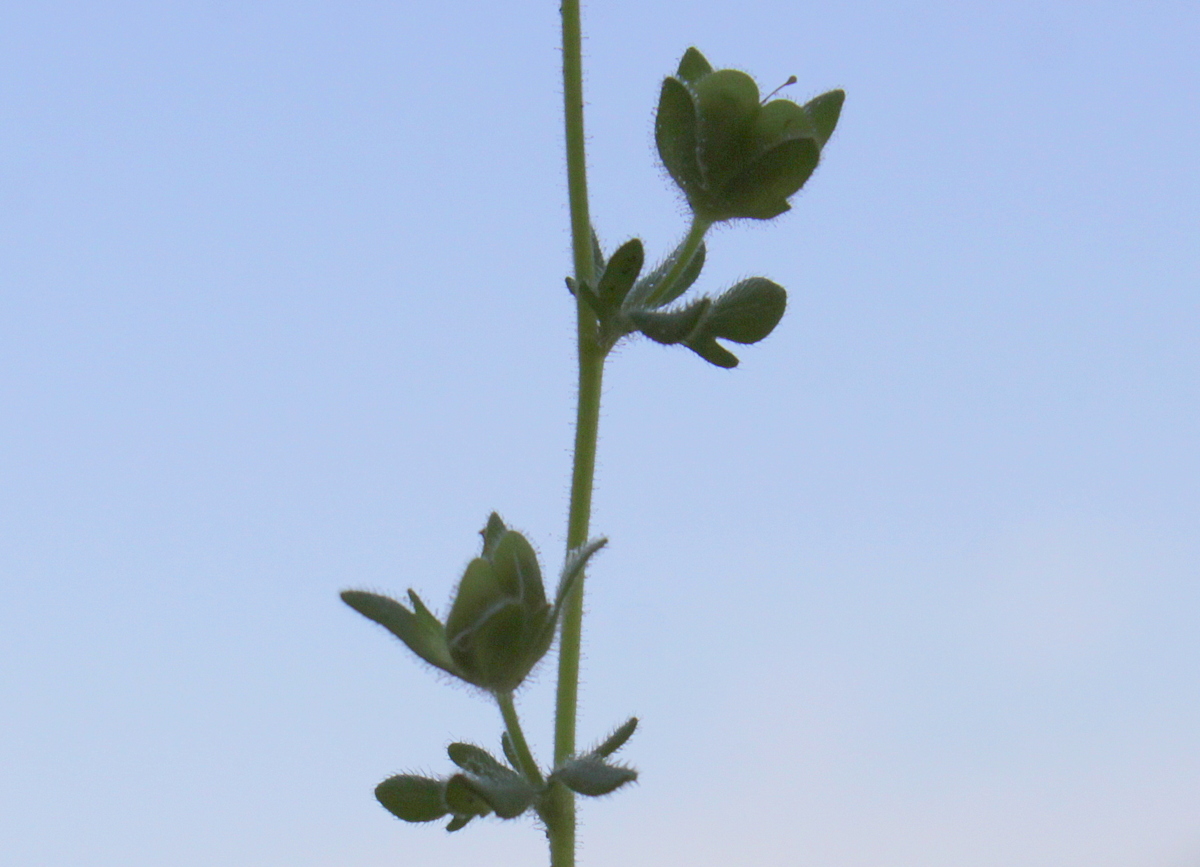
x=500, y=623
x=733, y=155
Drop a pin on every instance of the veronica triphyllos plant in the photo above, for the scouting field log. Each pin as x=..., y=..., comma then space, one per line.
x=734, y=156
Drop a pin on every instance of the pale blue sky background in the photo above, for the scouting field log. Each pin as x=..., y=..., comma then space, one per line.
x=281, y=312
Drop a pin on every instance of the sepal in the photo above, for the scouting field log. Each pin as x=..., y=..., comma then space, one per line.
x=693, y=66
x=823, y=112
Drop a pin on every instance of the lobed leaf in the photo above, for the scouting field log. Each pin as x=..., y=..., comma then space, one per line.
x=412, y=798
x=576, y=562
x=507, y=796
x=421, y=631
x=462, y=799
x=617, y=739
x=592, y=776
x=670, y=326
x=747, y=312
x=597, y=253
x=712, y=352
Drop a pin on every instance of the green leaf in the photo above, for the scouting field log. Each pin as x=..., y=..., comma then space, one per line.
x=686, y=277
x=622, y=270
x=693, y=66
x=597, y=253
x=824, y=112
x=424, y=617
x=670, y=326
x=421, y=631
x=747, y=312
x=646, y=286
x=462, y=799
x=584, y=291
x=412, y=798
x=477, y=760
x=576, y=562
x=712, y=352
x=589, y=775
x=616, y=740
x=507, y=796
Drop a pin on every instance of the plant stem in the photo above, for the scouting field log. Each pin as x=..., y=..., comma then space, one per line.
x=680, y=258
x=560, y=813
x=520, y=746
x=581, y=224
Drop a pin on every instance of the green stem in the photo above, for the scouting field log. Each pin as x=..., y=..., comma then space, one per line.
x=581, y=224
x=520, y=746
x=559, y=813
x=680, y=258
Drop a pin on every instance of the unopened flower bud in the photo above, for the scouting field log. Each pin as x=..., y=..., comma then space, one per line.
x=733, y=156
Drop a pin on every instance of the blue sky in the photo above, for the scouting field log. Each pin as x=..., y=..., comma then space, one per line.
x=282, y=312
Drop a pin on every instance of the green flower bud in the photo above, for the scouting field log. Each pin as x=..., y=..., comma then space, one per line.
x=500, y=623
x=733, y=156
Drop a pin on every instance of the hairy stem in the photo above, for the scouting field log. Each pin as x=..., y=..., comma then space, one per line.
x=512, y=723
x=679, y=261
x=581, y=224
x=560, y=812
